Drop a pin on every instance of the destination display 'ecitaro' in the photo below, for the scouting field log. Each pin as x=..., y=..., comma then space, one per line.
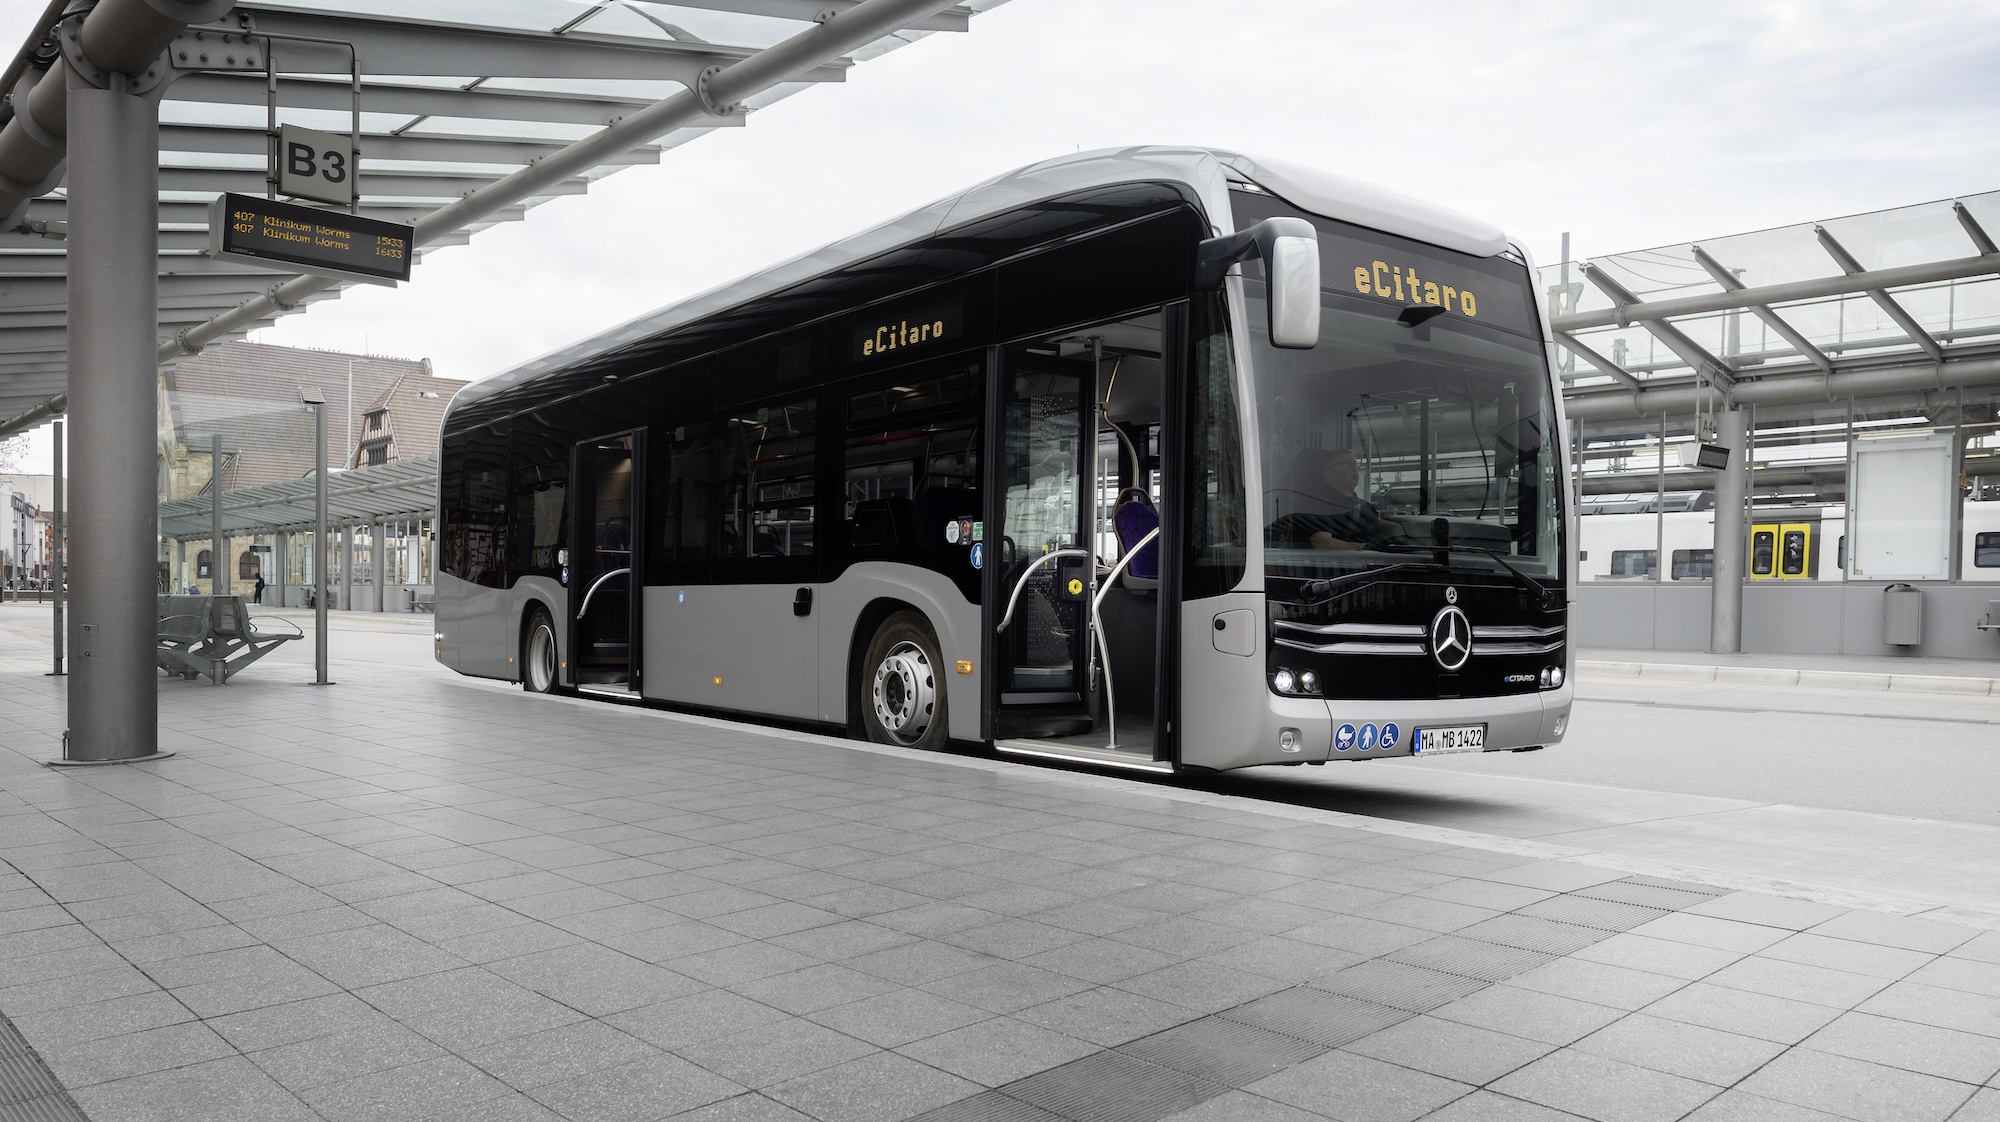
x=311, y=239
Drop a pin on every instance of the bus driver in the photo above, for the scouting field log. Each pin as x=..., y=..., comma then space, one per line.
x=1325, y=512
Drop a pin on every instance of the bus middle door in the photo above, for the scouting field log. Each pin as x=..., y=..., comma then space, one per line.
x=603, y=583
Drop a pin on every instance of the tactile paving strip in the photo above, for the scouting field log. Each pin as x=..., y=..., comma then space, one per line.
x=29, y=1091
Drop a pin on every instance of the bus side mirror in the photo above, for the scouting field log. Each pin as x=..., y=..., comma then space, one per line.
x=1290, y=250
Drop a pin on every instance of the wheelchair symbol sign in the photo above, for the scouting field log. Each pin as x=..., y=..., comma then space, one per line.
x=1390, y=734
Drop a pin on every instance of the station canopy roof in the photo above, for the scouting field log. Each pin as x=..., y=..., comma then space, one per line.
x=456, y=95
x=403, y=491
x=1868, y=303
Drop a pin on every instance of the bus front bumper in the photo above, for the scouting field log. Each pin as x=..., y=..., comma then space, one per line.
x=1309, y=730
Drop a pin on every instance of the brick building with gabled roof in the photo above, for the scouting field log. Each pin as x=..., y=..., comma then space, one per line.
x=402, y=423
x=248, y=393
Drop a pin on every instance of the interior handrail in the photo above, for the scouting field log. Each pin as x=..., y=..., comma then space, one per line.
x=1030, y=571
x=598, y=583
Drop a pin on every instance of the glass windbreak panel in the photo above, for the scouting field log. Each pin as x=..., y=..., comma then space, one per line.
x=1422, y=420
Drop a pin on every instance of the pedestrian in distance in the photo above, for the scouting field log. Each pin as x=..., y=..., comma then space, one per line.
x=257, y=590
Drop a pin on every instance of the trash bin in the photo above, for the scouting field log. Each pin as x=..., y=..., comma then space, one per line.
x=1903, y=615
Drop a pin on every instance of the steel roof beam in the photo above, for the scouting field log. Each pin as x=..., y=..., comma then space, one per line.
x=410, y=47
x=1731, y=283
x=1690, y=352
x=809, y=11
x=484, y=103
x=1793, y=389
x=378, y=182
x=1972, y=228
x=721, y=94
x=1589, y=355
x=252, y=141
x=1883, y=300
x=1629, y=312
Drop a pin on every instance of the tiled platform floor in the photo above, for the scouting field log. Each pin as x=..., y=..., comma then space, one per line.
x=408, y=898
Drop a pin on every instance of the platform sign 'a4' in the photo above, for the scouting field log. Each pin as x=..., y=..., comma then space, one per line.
x=316, y=165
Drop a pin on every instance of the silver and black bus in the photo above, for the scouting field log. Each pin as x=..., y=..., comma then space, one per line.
x=1159, y=458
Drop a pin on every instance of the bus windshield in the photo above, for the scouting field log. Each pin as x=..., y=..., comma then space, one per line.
x=1420, y=429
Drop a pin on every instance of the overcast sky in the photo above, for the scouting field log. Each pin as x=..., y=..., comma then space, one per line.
x=1630, y=125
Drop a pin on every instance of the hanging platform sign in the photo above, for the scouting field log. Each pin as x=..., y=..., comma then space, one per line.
x=315, y=165
x=310, y=240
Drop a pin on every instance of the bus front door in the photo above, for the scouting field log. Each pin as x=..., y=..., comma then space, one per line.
x=1074, y=599
x=602, y=581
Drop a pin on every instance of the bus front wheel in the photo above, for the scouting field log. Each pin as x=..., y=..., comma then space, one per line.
x=901, y=686
x=538, y=654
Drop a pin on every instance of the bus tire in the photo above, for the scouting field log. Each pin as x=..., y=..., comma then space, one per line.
x=539, y=667
x=900, y=685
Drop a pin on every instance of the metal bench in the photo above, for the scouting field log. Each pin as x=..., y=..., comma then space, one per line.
x=213, y=637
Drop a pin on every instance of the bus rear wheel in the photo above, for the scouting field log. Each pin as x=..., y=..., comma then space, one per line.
x=901, y=687
x=538, y=654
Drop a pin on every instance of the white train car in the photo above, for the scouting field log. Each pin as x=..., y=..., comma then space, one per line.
x=1623, y=541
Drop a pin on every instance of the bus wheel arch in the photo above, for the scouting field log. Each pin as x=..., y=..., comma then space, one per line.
x=540, y=649
x=896, y=678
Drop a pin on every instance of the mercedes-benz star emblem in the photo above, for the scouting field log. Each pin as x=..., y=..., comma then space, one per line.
x=1451, y=638
x=1450, y=595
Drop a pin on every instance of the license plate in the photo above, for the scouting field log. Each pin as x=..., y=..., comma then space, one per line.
x=1445, y=741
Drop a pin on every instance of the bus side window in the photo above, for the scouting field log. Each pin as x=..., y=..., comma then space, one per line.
x=681, y=506
x=1216, y=555
x=911, y=470
x=769, y=476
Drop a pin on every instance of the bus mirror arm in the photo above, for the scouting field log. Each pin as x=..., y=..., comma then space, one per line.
x=1289, y=248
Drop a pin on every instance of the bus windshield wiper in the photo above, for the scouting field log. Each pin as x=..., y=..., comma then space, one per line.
x=1320, y=591
x=1540, y=590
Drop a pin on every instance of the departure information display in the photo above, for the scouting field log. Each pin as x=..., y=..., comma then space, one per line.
x=311, y=239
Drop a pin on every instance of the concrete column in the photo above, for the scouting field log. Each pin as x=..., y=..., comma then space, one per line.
x=347, y=568
x=1732, y=493
x=378, y=553
x=114, y=189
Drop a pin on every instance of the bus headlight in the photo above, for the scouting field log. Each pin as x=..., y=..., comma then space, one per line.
x=1295, y=683
x=1552, y=678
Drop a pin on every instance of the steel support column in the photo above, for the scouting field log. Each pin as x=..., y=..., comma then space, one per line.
x=347, y=568
x=218, y=580
x=378, y=557
x=114, y=183
x=281, y=565
x=56, y=577
x=1732, y=493
x=320, y=550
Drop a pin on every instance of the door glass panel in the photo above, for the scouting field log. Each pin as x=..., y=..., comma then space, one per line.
x=601, y=581
x=1043, y=514
x=1795, y=553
